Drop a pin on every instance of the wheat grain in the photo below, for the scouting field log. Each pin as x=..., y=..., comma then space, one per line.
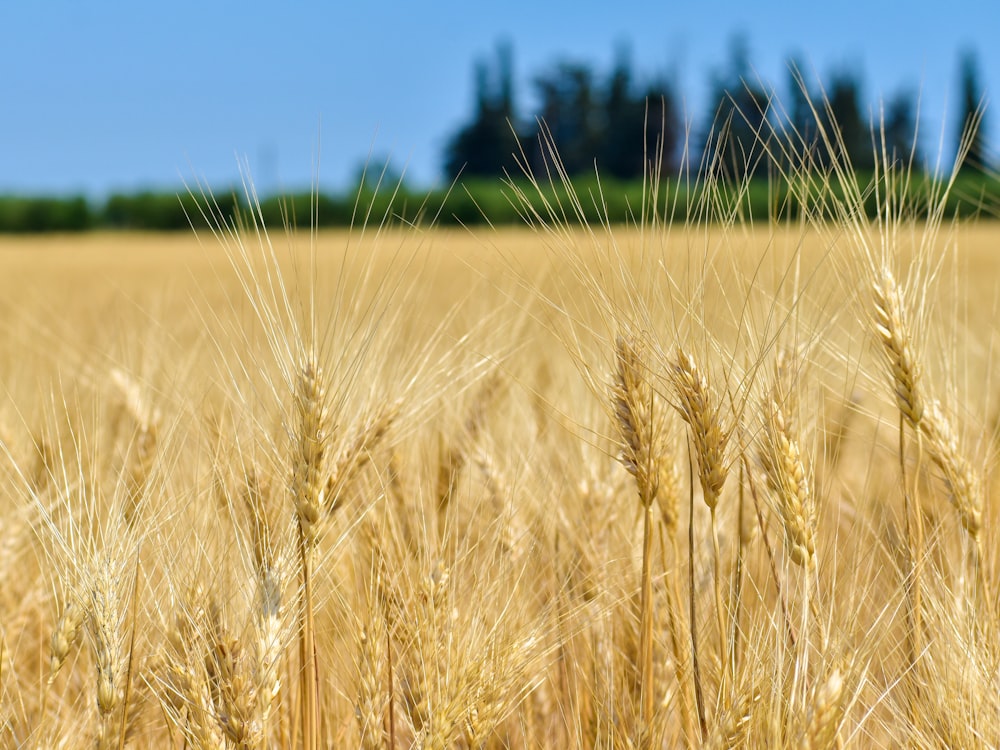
x=826, y=713
x=788, y=479
x=963, y=484
x=66, y=634
x=892, y=329
x=310, y=438
x=694, y=404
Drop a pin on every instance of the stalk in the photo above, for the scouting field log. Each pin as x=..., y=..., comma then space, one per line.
x=692, y=612
x=646, y=621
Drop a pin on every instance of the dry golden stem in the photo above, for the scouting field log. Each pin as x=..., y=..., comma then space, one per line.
x=126, y=700
x=391, y=688
x=912, y=518
x=309, y=679
x=699, y=693
x=725, y=650
x=747, y=530
x=646, y=624
x=752, y=484
x=681, y=655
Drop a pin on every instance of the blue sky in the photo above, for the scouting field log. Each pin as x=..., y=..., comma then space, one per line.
x=102, y=96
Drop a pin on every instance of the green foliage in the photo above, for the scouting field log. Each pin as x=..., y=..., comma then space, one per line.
x=591, y=117
x=486, y=144
x=162, y=212
x=478, y=201
x=26, y=214
x=973, y=99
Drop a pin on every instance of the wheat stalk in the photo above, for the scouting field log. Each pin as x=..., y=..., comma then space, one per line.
x=893, y=332
x=309, y=447
x=694, y=404
x=644, y=456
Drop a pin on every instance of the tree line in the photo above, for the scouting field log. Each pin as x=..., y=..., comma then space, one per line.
x=625, y=126
x=618, y=123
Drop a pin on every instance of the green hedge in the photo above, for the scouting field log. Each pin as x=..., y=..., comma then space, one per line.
x=43, y=214
x=473, y=202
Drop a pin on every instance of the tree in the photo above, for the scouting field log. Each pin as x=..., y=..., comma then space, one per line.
x=899, y=130
x=621, y=154
x=642, y=125
x=738, y=133
x=572, y=115
x=801, y=132
x=971, y=114
x=849, y=133
x=664, y=128
x=485, y=147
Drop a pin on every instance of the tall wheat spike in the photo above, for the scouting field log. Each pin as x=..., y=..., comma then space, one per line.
x=632, y=400
x=307, y=485
x=694, y=402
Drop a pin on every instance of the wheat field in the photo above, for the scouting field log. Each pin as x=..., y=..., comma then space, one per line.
x=725, y=485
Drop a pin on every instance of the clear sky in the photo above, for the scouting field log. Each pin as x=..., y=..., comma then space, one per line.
x=100, y=96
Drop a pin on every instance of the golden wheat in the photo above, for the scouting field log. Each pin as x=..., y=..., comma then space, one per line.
x=403, y=514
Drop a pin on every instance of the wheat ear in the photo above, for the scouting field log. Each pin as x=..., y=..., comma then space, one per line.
x=632, y=400
x=66, y=635
x=826, y=713
x=268, y=620
x=694, y=403
x=353, y=458
x=893, y=332
x=788, y=479
x=964, y=484
x=309, y=446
